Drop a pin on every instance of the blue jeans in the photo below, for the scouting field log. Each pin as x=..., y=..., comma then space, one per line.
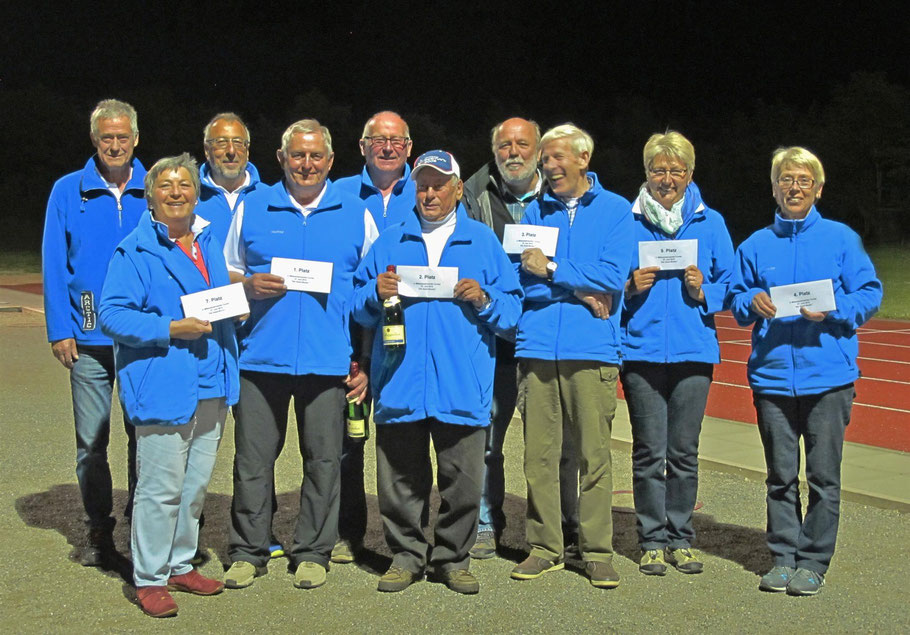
x=821, y=421
x=666, y=407
x=175, y=466
x=492, y=518
x=92, y=384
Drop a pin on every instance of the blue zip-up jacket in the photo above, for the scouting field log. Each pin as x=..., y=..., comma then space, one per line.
x=301, y=333
x=664, y=324
x=401, y=202
x=591, y=255
x=795, y=356
x=446, y=371
x=83, y=226
x=213, y=204
x=162, y=379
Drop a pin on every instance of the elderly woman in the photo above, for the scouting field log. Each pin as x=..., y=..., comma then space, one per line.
x=802, y=367
x=177, y=377
x=669, y=348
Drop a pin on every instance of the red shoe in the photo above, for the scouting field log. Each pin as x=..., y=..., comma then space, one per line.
x=195, y=582
x=156, y=601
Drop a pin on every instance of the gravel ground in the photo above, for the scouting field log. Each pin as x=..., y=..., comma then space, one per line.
x=44, y=589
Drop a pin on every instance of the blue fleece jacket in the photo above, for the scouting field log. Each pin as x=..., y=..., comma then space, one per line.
x=591, y=255
x=162, y=379
x=83, y=226
x=446, y=370
x=301, y=333
x=795, y=356
x=401, y=201
x=664, y=324
x=213, y=205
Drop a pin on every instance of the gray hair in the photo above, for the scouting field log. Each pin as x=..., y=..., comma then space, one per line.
x=671, y=144
x=306, y=126
x=494, y=133
x=168, y=164
x=368, y=126
x=579, y=140
x=226, y=117
x=112, y=109
x=796, y=155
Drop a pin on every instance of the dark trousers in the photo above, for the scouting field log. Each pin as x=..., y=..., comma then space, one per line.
x=92, y=385
x=821, y=421
x=352, y=512
x=666, y=407
x=259, y=434
x=402, y=465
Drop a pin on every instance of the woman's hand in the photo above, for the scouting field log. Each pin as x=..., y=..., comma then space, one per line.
x=190, y=328
x=694, y=278
x=642, y=280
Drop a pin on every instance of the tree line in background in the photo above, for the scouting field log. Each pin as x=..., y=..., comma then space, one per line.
x=860, y=131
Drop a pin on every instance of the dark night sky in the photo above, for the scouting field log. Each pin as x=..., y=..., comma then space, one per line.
x=621, y=70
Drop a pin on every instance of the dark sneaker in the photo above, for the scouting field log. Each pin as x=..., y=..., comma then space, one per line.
x=196, y=583
x=571, y=549
x=460, y=580
x=100, y=546
x=652, y=562
x=309, y=575
x=397, y=579
x=241, y=574
x=602, y=574
x=805, y=582
x=484, y=546
x=776, y=580
x=685, y=559
x=534, y=567
x=344, y=551
x=155, y=601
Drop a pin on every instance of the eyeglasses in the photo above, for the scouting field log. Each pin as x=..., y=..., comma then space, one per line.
x=676, y=173
x=802, y=182
x=222, y=142
x=379, y=141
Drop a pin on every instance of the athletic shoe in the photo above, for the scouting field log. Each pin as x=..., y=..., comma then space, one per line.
x=805, y=582
x=602, y=574
x=344, y=551
x=241, y=574
x=309, y=575
x=534, y=567
x=276, y=550
x=685, y=559
x=461, y=581
x=397, y=579
x=776, y=580
x=484, y=546
x=652, y=562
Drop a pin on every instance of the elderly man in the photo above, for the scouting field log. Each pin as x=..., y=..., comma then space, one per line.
x=296, y=344
x=89, y=212
x=227, y=176
x=385, y=187
x=439, y=387
x=568, y=346
x=497, y=195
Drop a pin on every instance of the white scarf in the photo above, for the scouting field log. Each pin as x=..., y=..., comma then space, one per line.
x=668, y=220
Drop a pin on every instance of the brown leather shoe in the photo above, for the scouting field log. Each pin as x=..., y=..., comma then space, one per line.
x=533, y=567
x=196, y=583
x=155, y=601
x=602, y=574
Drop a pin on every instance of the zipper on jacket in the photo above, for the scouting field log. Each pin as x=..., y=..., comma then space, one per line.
x=793, y=323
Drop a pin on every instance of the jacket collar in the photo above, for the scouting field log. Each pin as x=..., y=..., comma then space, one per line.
x=209, y=186
x=91, y=178
x=367, y=181
x=789, y=227
x=279, y=199
x=411, y=225
x=584, y=200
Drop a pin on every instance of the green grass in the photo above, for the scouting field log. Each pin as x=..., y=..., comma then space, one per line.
x=20, y=261
x=892, y=264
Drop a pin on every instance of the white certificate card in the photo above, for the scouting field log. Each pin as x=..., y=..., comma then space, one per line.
x=216, y=304
x=517, y=238
x=427, y=282
x=817, y=295
x=304, y=275
x=667, y=254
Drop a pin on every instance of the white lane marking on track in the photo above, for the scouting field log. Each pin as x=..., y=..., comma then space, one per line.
x=870, y=405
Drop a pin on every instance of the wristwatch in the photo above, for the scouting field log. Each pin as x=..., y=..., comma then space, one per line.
x=551, y=269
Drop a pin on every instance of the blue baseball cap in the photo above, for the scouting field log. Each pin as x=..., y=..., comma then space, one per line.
x=439, y=160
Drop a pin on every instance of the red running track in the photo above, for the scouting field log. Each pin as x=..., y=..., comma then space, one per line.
x=881, y=411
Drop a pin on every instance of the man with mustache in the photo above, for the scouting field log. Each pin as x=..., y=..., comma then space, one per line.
x=497, y=195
